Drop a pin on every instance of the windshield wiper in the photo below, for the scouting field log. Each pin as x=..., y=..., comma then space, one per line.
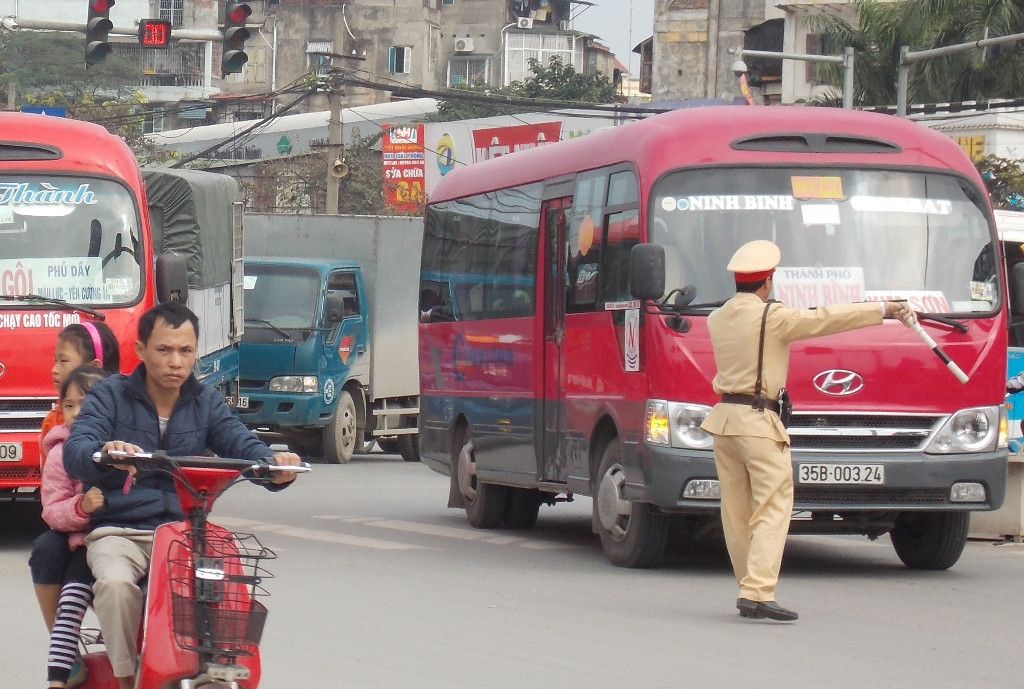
x=276, y=329
x=55, y=302
x=945, y=320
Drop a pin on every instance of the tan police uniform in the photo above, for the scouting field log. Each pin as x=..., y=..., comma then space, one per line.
x=752, y=447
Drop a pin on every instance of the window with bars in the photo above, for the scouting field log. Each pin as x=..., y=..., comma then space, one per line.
x=521, y=47
x=469, y=71
x=399, y=59
x=172, y=11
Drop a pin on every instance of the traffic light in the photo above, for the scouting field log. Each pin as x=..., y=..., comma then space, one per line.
x=96, y=30
x=154, y=33
x=233, y=55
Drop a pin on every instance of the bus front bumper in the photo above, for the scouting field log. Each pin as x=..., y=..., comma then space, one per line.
x=686, y=481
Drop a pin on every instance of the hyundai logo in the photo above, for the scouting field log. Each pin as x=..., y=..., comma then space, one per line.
x=838, y=382
x=2, y=369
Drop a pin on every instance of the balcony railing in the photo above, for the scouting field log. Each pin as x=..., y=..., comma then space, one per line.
x=181, y=65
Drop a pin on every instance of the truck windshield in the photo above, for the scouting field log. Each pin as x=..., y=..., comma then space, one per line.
x=68, y=238
x=846, y=235
x=282, y=296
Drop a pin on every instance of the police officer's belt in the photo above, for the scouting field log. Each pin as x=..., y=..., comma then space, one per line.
x=752, y=401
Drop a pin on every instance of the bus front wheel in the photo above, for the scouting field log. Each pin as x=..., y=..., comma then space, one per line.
x=632, y=534
x=930, y=540
x=485, y=502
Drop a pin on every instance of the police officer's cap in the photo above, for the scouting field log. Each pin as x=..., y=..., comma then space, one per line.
x=754, y=261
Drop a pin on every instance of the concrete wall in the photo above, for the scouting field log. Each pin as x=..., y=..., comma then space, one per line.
x=691, y=43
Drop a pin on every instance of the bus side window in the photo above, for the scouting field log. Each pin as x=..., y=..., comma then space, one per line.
x=622, y=235
x=583, y=240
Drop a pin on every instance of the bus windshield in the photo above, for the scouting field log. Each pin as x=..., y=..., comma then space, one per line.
x=69, y=238
x=845, y=235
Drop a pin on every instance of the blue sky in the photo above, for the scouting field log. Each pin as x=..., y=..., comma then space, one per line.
x=621, y=24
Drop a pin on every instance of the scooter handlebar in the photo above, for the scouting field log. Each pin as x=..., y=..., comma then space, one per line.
x=162, y=460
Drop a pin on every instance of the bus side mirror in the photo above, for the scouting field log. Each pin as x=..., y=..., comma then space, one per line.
x=647, y=271
x=171, y=278
x=334, y=308
x=1017, y=291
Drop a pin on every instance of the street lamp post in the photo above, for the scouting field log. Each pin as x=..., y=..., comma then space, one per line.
x=846, y=60
x=907, y=57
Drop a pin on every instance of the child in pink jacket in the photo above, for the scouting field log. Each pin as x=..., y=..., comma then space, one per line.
x=67, y=509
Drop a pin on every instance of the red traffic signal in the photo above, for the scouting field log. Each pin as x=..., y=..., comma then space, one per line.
x=96, y=29
x=154, y=33
x=235, y=13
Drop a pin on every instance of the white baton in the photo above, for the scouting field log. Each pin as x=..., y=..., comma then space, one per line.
x=950, y=364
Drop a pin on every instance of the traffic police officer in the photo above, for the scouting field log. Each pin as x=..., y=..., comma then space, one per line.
x=750, y=443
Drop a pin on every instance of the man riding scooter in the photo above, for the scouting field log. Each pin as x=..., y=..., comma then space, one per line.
x=159, y=406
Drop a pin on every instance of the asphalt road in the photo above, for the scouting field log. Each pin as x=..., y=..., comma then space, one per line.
x=379, y=585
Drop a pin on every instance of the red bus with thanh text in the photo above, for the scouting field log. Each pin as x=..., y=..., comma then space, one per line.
x=544, y=374
x=75, y=246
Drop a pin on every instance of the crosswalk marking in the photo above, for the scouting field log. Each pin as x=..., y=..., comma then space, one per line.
x=397, y=525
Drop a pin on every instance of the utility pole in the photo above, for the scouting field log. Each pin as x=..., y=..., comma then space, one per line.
x=333, y=148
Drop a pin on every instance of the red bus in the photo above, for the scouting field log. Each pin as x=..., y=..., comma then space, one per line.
x=75, y=246
x=543, y=377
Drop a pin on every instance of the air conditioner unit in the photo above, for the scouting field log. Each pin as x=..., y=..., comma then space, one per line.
x=463, y=45
x=563, y=25
x=525, y=23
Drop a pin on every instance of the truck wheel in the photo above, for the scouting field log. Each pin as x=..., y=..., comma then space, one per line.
x=409, y=447
x=389, y=445
x=632, y=534
x=930, y=540
x=341, y=433
x=485, y=502
x=523, y=508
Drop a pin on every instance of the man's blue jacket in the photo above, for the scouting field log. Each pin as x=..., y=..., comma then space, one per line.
x=119, y=408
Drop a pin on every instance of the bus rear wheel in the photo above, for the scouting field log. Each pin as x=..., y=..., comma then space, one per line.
x=632, y=534
x=485, y=502
x=930, y=540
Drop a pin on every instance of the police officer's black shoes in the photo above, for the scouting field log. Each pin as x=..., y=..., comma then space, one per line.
x=767, y=609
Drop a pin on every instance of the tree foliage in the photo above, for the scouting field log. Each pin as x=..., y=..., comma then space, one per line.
x=555, y=81
x=1004, y=178
x=882, y=27
x=48, y=68
x=54, y=61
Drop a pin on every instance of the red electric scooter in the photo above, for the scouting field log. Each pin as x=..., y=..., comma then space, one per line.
x=202, y=618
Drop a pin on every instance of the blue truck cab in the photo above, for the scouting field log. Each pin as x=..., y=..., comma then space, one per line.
x=302, y=358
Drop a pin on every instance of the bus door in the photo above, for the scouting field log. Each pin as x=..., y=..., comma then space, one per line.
x=552, y=463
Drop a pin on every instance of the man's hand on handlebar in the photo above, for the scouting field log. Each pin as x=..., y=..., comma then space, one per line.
x=285, y=459
x=126, y=448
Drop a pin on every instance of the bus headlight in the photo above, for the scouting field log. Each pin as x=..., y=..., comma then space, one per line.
x=677, y=424
x=978, y=429
x=294, y=384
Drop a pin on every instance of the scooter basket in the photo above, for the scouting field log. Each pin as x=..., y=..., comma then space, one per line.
x=215, y=579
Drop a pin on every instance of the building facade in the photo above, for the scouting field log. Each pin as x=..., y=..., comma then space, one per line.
x=696, y=44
